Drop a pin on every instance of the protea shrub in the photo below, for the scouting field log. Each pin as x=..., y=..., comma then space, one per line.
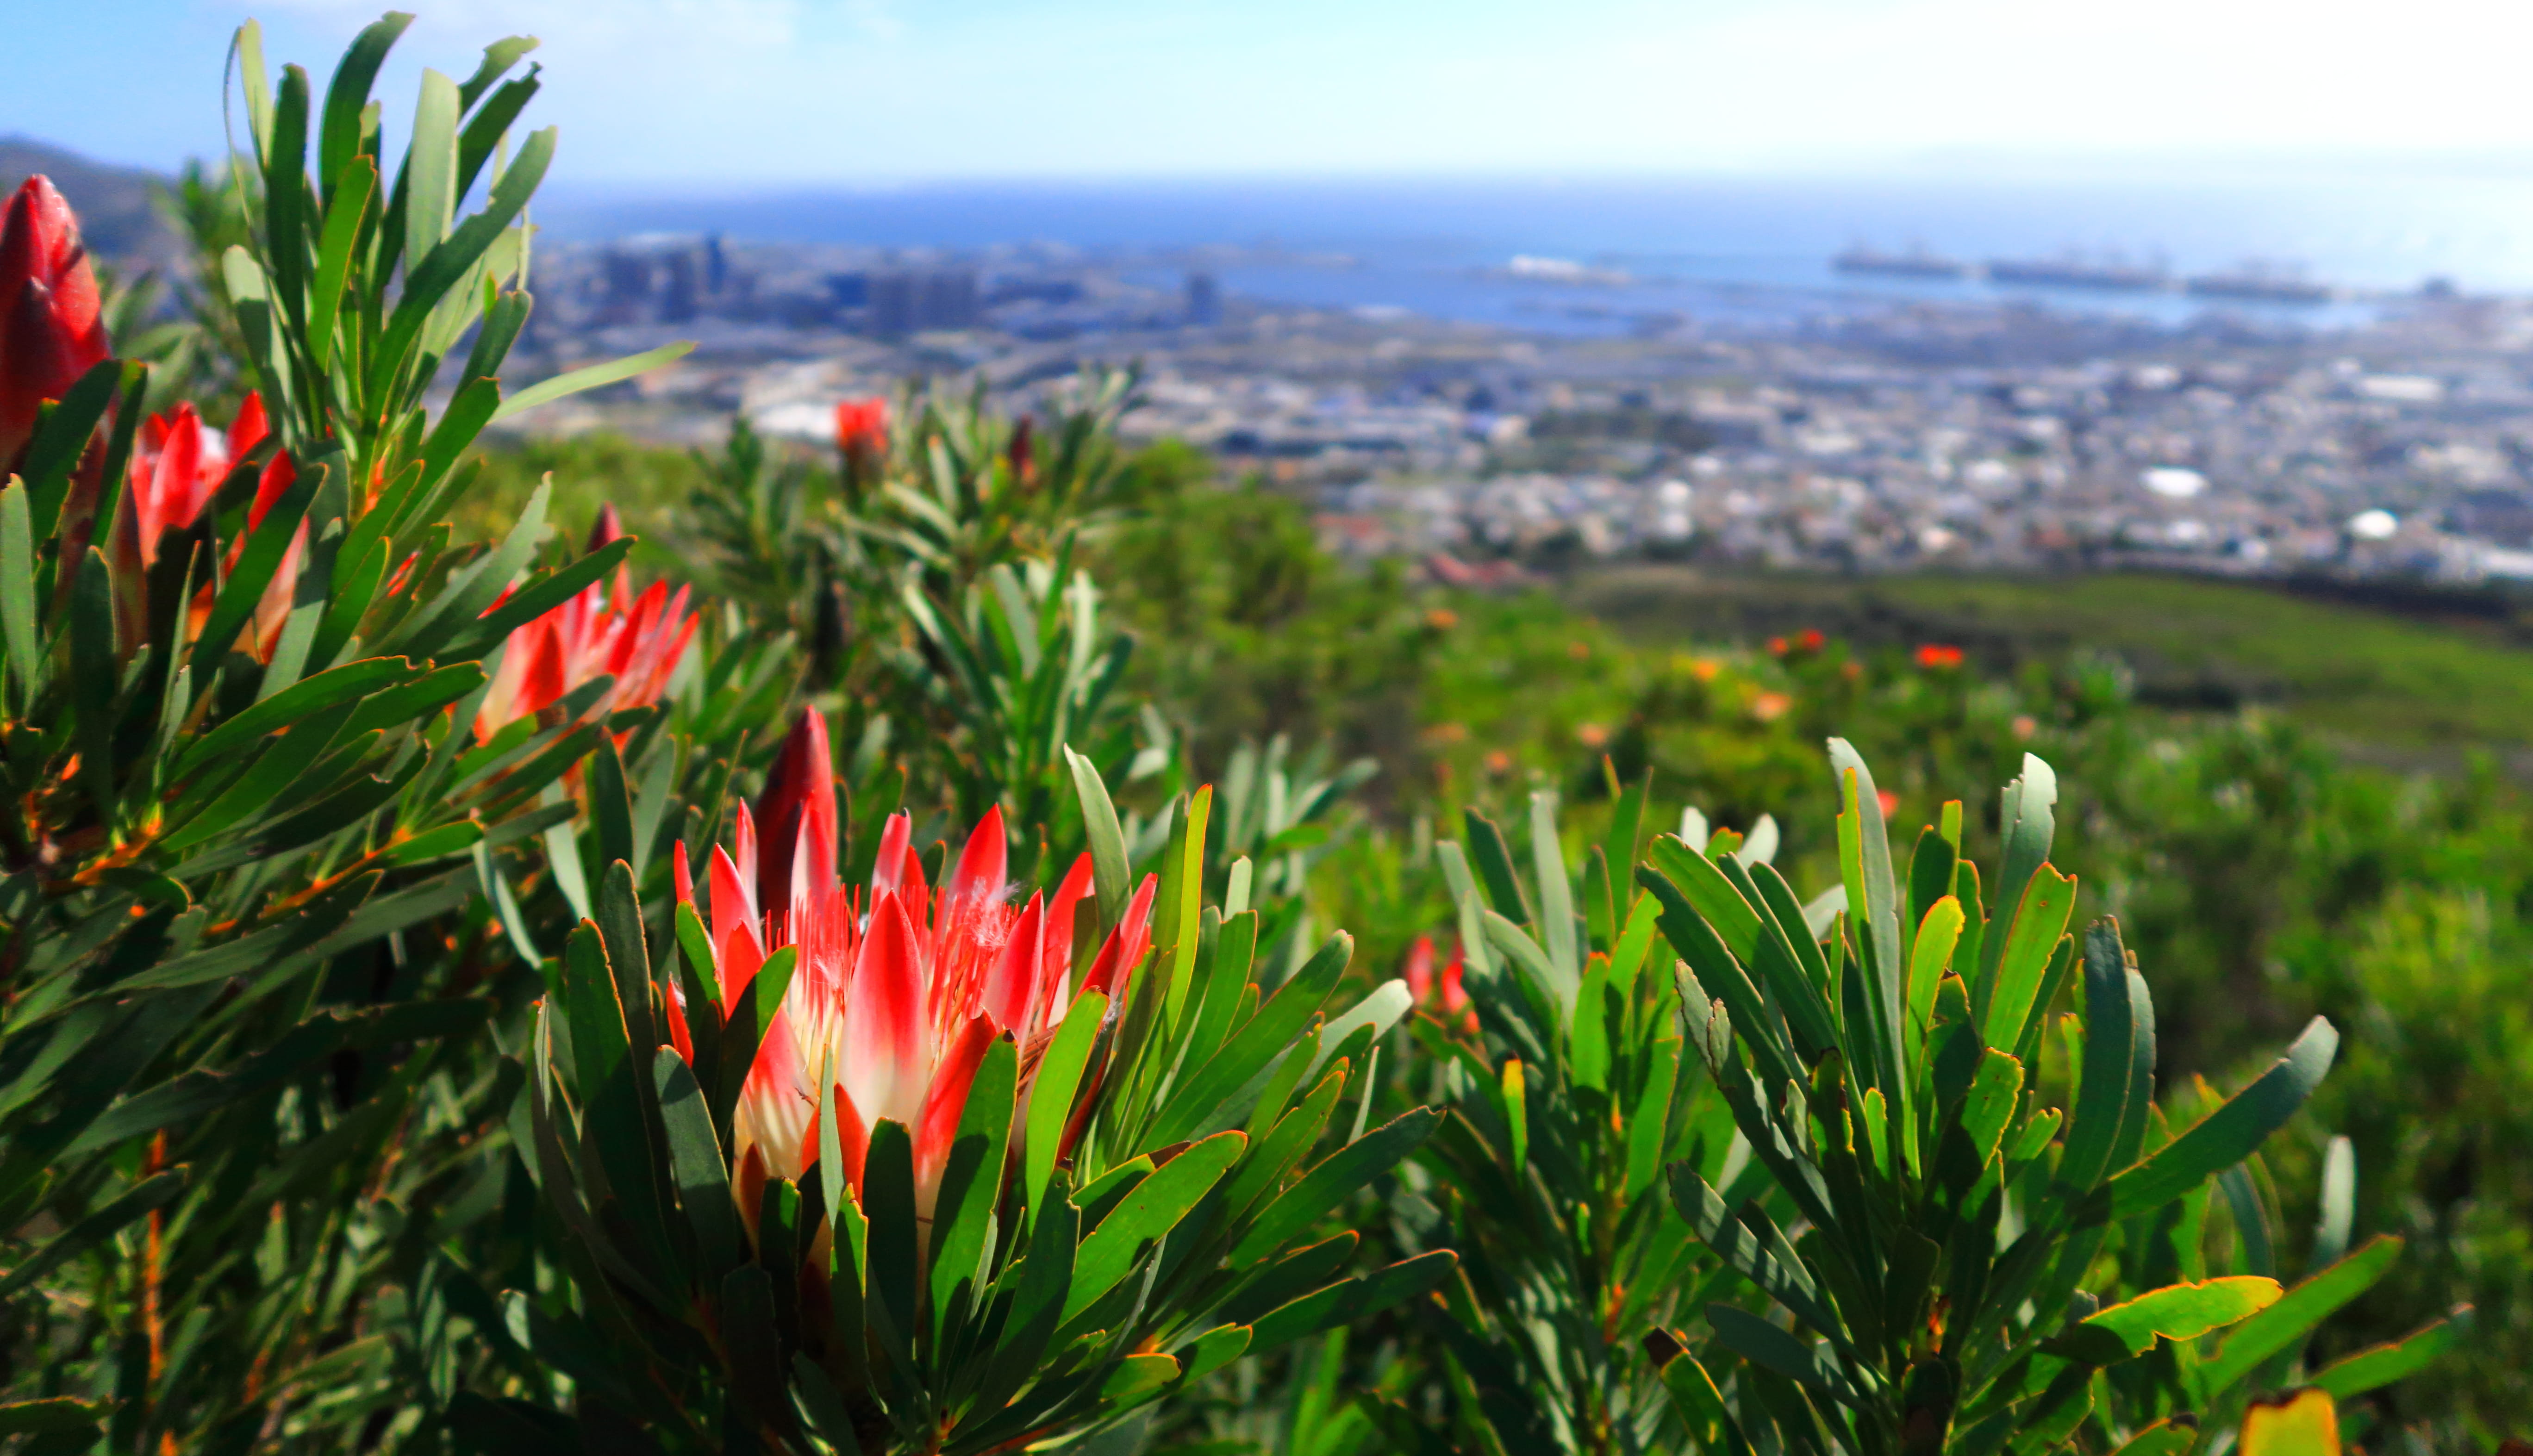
x=892, y=1167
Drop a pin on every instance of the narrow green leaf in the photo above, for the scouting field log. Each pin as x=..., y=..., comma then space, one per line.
x=343, y=217
x=1146, y=1216
x=2185, y=1311
x=59, y=1414
x=1555, y=895
x=2294, y=1316
x=2048, y=901
x=1331, y=1183
x=17, y=628
x=1772, y=1349
x=2373, y=1368
x=1353, y=1299
x=971, y=1183
x=145, y=1197
x=1108, y=841
x=592, y=377
x=1052, y=1090
x=2232, y=1132
x=695, y=1163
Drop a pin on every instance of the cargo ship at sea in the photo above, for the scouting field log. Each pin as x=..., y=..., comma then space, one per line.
x=2113, y=276
x=2259, y=283
x=1916, y=263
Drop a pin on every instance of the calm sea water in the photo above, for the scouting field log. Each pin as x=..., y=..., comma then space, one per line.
x=1749, y=250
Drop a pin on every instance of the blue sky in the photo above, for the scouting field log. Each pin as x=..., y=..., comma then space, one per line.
x=753, y=92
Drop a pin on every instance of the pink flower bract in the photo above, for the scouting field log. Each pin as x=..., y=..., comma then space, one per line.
x=900, y=989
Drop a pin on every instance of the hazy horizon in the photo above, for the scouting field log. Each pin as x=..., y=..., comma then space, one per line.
x=812, y=94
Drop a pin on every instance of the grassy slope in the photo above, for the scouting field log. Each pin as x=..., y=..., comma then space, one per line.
x=2380, y=679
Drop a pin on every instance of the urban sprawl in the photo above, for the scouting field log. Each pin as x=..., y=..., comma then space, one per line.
x=1862, y=434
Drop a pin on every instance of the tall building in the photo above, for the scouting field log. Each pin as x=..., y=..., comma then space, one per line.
x=677, y=297
x=625, y=288
x=1204, y=300
x=904, y=303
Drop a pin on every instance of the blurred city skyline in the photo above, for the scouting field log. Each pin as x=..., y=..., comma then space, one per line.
x=735, y=94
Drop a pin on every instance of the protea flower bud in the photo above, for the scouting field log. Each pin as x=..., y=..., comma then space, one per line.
x=1023, y=456
x=601, y=631
x=177, y=465
x=178, y=462
x=51, y=328
x=861, y=439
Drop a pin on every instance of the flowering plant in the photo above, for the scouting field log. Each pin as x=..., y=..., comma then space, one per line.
x=906, y=1169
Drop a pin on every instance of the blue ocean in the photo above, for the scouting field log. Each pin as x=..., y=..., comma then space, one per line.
x=1753, y=251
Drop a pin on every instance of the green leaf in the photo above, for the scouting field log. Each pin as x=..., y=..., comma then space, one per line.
x=2048, y=901
x=1694, y=1396
x=695, y=1164
x=2162, y=1438
x=431, y=166
x=428, y=279
x=1218, y=1094
x=2027, y=826
x=1930, y=954
x=1336, y=1179
x=60, y=1413
x=144, y=1197
x=541, y=595
x=1772, y=1349
x=343, y=217
x=1875, y=896
x=2181, y=1312
x=1146, y=1216
x=1138, y=1378
x=1493, y=861
x=203, y=1090
x=1051, y=1093
x=888, y=1200
x=2117, y=1014
x=2232, y=1132
x=1990, y=1104
x=1555, y=895
x=1752, y=1247
x=1212, y=1349
x=2287, y=1323
x=18, y=593
x=293, y=703
x=1696, y=878
x=971, y=1182
x=2371, y=1369
x=348, y=94
x=1108, y=871
x=1353, y=1299
x=591, y=377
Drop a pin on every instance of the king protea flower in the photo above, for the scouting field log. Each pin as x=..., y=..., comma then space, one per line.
x=51, y=330
x=901, y=988
x=600, y=631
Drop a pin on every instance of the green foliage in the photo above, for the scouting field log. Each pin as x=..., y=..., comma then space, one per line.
x=1550, y=1179
x=1183, y=1230
x=1886, y=1077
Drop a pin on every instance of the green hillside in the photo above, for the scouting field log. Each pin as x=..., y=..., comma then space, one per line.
x=2389, y=681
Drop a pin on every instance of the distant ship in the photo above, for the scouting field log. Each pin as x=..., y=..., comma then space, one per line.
x=1916, y=263
x=2070, y=272
x=2259, y=283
